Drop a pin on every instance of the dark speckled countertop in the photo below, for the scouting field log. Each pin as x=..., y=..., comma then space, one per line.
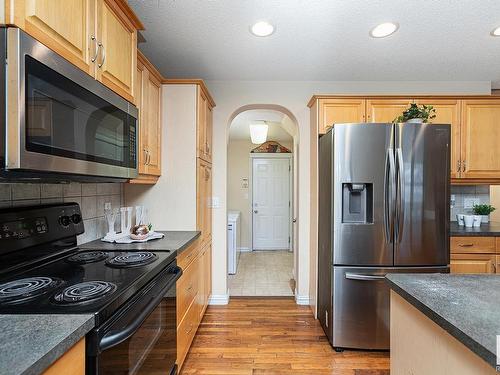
x=173, y=241
x=29, y=344
x=491, y=229
x=466, y=306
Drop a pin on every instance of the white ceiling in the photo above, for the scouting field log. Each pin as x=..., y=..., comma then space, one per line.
x=322, y=39
x=240, y=129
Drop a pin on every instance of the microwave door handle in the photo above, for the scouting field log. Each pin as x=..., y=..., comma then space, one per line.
x=113, y=337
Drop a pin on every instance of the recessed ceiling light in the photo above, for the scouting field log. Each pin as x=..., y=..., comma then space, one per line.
x=384, y=29
x=496, y=32
x=262, y=28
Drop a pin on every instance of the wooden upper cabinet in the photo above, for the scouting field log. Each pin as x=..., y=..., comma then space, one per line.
x=98, y=36
x=152, y=107
x=201, y=113
x=385, y=110
x=66, y=27
x=142, y=137
x=116, y=61
x=147, y=93
x=338, y=111
x=480, y=132
x=448, y=112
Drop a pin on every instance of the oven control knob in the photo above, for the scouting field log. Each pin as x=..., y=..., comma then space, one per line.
x=76, y=218
x=64, y=220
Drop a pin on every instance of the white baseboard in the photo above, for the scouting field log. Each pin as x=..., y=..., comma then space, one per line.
x=302, y=300
x=218, y=299
x=245, y=249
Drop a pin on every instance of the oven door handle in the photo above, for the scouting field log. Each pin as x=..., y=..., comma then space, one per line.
x=115, y=337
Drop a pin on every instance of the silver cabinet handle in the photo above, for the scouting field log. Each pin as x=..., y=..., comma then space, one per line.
x=149, y=158
x=463, y=166
x=96, y=48
x=103, y=55
x=145, y=157
x=363, y=277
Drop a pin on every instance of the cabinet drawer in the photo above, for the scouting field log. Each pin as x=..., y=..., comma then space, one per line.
x=185, y=332
x=473, y=263
x=472, y=245
x=187, y=289
x=188, y=255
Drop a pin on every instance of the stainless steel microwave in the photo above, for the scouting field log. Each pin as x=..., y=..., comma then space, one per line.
x=58, y=120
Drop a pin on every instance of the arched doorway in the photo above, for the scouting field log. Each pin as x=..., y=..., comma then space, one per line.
x=265, y=268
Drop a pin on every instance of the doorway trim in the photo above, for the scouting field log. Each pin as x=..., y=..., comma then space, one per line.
x=288, y=156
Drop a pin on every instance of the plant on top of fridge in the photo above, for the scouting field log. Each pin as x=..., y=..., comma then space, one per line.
x=414, y=111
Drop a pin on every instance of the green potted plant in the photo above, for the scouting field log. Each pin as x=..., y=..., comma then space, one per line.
x=484, y=210
x=417, y=114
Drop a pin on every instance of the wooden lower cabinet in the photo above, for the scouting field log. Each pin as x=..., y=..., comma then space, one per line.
x=193, y=292
x=474, y=255
x=70, y=363
x=473, y=263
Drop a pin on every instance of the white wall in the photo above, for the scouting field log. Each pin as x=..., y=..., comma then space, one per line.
x=238, y=167
x=171, y=201
x=232, y=95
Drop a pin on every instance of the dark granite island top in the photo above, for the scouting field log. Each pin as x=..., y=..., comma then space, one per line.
x=173, y=241
x=29, y=344
x=491, y=229
x=466, y=306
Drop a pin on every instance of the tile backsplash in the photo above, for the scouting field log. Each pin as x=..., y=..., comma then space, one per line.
x=462, y=193
x=91, y=197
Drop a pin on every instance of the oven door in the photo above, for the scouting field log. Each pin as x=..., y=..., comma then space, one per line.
x=60, y=119
x=141, y=338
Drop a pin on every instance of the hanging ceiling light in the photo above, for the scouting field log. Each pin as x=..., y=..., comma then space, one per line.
x=258, y=132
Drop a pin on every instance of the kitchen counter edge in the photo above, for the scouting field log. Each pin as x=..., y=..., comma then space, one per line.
x=464, y=338
x=491, y=229
x=30, y=343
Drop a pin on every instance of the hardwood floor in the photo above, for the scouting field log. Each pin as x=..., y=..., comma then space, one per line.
x=263, y=336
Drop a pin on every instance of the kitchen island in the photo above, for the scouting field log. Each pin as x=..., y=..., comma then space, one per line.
x=444, y=324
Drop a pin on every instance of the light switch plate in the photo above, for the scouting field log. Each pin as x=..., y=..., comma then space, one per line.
x=470, y=202
x=215, y=202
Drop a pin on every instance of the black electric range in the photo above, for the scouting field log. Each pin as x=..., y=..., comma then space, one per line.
x=130, y=293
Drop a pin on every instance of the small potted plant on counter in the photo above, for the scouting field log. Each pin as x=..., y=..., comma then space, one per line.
x=484, y=210
x=417, y=114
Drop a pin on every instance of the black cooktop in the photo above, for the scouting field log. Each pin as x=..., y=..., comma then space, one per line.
x=80, y=281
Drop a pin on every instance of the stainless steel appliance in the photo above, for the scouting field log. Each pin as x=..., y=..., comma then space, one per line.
x=56, y=119
x=132, y=294
x=383, y=208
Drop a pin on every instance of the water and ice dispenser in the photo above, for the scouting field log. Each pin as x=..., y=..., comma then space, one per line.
x=357, y=203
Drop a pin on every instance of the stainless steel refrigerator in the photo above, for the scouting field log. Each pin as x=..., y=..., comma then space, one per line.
x=383, y=208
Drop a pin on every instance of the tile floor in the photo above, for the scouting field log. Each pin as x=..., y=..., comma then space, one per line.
x=263, y=273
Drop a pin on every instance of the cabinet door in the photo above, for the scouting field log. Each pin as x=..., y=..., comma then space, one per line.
x=338, y=111
x=141, y=76
x=152, y=106
x=480, y=139
x=448, y=112
x=472, y=263
x=209, y=132
x=116, y=63
x=200, y=199
x=385, y=110
x=202, y=106
x=66, y=27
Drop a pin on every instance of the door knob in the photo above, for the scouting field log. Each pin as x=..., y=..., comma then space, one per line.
x=255, y=212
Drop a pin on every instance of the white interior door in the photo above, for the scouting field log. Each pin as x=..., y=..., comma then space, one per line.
x=271, y=203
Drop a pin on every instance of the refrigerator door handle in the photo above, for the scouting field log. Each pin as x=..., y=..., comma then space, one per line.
x=389, y=200
x=363, y=277
x=400, y=208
